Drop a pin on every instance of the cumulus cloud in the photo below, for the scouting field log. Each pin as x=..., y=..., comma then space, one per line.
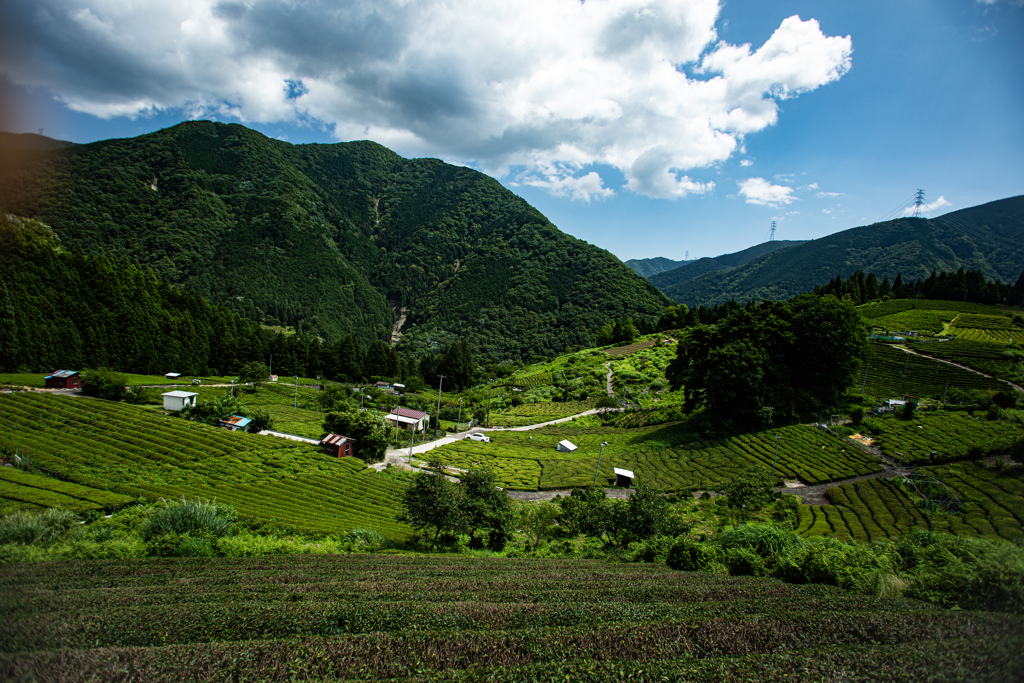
x=746, y=162
x=760, y=191
x=930, y=207
x=643, y=86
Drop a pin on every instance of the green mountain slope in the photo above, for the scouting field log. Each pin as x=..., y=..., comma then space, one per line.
x=334, y=239
x=646, y=267
x=986, y=238
x=693, y=269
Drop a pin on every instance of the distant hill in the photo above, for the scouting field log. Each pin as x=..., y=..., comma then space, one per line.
x=646, y=267
x=336, y=240
x=987, y=238
x=692, y=269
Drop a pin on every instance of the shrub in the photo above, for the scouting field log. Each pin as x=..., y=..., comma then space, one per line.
x=743, y=562
x=190, y=517
x=36, y=528
x=181, y=545
x=689, y=555
x=765, y=540
x=829, y=561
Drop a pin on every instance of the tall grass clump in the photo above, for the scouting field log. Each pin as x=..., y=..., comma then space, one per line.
x=36, y=528
x=197, y=518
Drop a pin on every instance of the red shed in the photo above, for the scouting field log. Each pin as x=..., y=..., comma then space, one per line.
x=64, y=379
x=340, y=446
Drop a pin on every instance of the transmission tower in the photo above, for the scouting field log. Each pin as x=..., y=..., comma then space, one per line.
x=772, y=237
x=687, y=257
x=918, y=201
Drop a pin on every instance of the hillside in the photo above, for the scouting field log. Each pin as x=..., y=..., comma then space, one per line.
x=691, y=269
x=335, y=240
x=646, y=267
x=984, y=238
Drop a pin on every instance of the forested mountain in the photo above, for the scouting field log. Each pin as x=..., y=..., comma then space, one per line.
x=646, y=267
x=338, y=240
x=984, y=238
x=691, y=269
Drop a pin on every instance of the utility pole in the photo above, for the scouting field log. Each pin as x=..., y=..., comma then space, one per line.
x=437, y=418
x=271, y=364
x=360, y=398
x=458, y=428
x=295, y=404
x=490, y=385
x=865, y=384
x=776, y=455
x=601, y=453
x=233, y=379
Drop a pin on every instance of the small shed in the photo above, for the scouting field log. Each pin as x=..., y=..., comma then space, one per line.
x=235, y=423
x=172, y=375
x=179, y=400
x=63, y=379
x=407, y=418
x=566, y=446
x=623, y=477
x=383, y=385
x=338, y=445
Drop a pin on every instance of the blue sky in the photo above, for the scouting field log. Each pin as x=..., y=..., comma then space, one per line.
x=646, y=127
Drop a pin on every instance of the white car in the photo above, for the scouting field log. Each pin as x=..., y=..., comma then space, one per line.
x=475, y=436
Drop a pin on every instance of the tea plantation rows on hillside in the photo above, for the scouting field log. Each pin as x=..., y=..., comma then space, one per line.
x=895, y=372
x=139, y=452
x=530, y=461
x=468, y=619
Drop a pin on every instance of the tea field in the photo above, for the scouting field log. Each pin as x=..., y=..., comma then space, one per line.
x=941, y=436
x=133, y=451
x=20, y=490
x=990, y=358
x=876, y=509
x=431, y=618
x=892, y=372
x=530, y=461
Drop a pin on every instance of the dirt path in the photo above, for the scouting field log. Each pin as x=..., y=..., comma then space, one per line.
x=957, y=365
x=611, y=392
x=815, y=495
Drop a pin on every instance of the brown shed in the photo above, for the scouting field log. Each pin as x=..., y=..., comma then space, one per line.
x=64, y=379
x=339, y=446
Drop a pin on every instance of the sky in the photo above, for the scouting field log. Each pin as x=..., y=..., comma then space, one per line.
x=674, y=128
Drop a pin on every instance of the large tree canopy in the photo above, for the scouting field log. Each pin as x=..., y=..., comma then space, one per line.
x=773, y=361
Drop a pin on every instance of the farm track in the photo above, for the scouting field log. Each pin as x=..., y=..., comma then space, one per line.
x=957, y=365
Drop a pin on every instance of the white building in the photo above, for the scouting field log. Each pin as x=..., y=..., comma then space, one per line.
x=179, y=400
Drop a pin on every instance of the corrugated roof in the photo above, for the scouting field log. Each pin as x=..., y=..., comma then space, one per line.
x=567, y=445
x=625, y=473
x=179, y=394
x=409, y=412
x=63, y=374
x=335, y=439
x=236, y=421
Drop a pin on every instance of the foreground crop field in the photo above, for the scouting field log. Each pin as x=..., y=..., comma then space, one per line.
x=122, y=449
x=530, y=461
x=335, y=618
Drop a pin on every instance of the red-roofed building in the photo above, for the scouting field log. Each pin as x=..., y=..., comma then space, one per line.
x=63, y=379
x=339, y=446
x=407, y=418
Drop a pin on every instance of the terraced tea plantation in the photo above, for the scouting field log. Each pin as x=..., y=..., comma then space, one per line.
x=993, y=506
x=131, y=451
x=941, y=436
x=988, y=357
x=893, y=372
x=530, y=461
x=27, y=491
x=372, y=617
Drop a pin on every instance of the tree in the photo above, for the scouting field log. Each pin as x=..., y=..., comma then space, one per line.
x=8, y=332
x=750, y=491
x=432, y=502
x=487, y=508
x=645, y=513
x=370, y=431
x=538, y=520
x=254, y=373
x=585, y=511
x=104, y=383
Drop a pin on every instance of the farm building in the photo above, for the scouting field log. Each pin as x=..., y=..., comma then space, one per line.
x=566, y=446
x=235, y=423
x=64, y=379
x=172, y=375
x=623, y=477
x=339, y=446
x=179, y=400
x=407, y=418
x=383, y=385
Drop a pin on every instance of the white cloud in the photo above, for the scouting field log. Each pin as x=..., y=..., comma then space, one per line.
x=583, y=188
x=828, y=195
x=930, y=207
x=760, y=191
x=746, y=162
x=507, y=87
